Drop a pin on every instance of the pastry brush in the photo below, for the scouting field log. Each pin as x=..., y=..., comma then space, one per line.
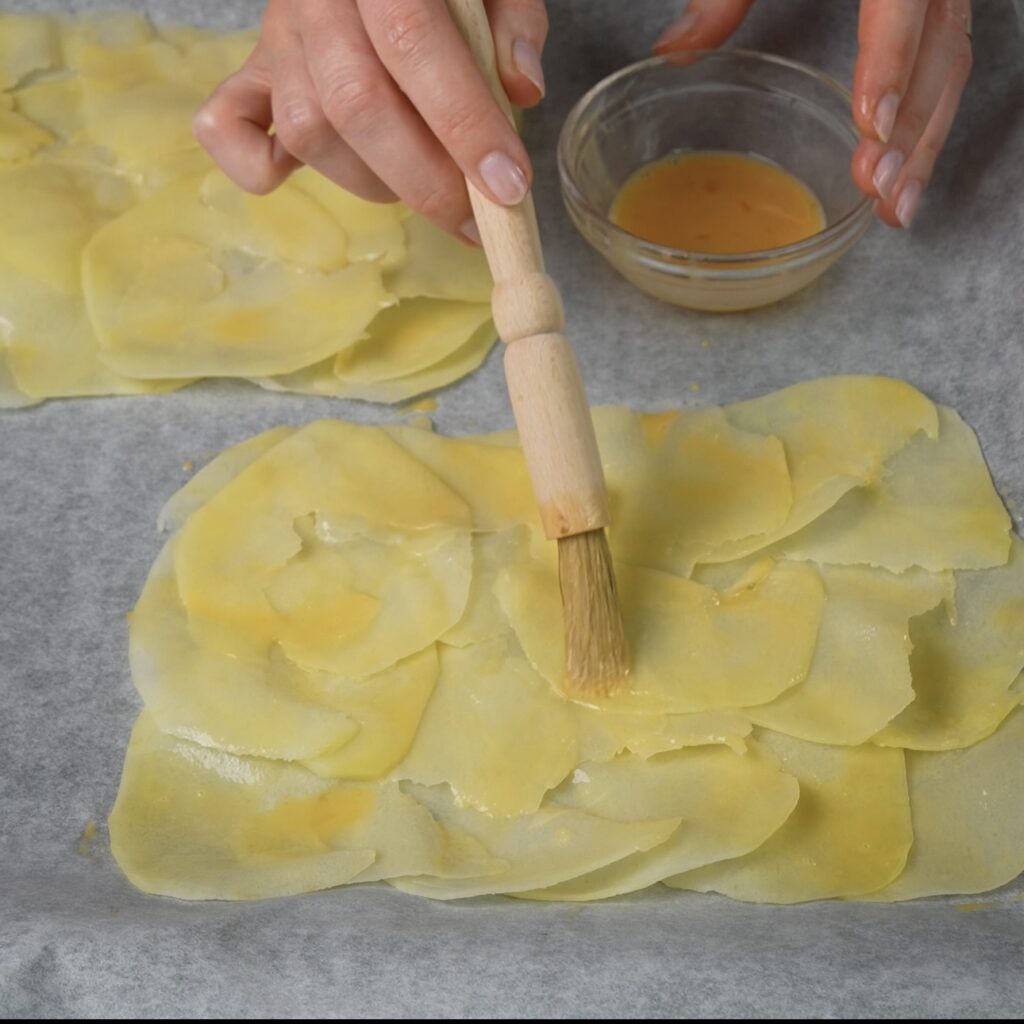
x=551, y=411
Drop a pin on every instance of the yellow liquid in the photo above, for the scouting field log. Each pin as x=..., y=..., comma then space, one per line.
x=717, y=202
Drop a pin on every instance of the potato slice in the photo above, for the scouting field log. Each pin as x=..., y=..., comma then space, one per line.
x=838, y=433
x=692, y=648
x=202, y=279
x=102, y=28
x=10, y=395
x=934, y=506
x=461, y=363
x=53, y=103
x=439, y=267
x=336, y=727
x=968, y=811
x=729, y=805
x=964, y=670
x=494, y=732
x=602, y=734
x=28, y=43
x=353, y=605
x=197, y=823
x=388, y=709
x=215, y=475
x=137, y=99
x=859, y=679
x=374, y=230
x=140, y=90
x=321, y=379
x=50, y=210
x=210, y=55
x=682, y=483
x=483, y=618
x=20, y=138
x=538, y=850
x=52, y=351
x=465, y=463
x=849, y=834
x=375, y=498
x=410, y=338
x=196, y=693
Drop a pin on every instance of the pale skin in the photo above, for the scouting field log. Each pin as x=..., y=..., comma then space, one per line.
x=383, y=98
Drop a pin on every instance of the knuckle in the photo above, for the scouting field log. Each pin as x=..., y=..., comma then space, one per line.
x=349, y=98
x=952, y=20
x=462, y=123
x=435, y=203
x=928, y=151
x=207, y=124
x=531, y=13
x=912, y=124
x=900, y=51
x=409, y=27
x=949, y=15
x=299, y=125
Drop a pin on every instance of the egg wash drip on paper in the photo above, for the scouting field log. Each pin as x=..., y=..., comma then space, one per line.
x=364, y=681
x=129, y=264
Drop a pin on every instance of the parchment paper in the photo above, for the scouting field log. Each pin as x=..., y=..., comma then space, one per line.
x=80, y=486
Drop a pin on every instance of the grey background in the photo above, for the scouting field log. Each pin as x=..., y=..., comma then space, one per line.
x=80, y=486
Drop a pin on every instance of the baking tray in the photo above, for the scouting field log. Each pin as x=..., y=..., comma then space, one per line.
x=81, y=483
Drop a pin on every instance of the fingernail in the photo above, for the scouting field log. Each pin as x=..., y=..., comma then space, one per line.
x=527, y=62
x=471, y=231
x=504, y=178
x=885, y=115
x=886, y=171
x=677, y=31
x=906, y=205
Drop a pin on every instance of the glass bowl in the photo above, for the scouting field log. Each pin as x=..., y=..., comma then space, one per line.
x=736, y=100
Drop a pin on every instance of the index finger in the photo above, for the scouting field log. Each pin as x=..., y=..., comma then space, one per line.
x=421, y=47
x=703, y=25
x=233, y=126
x=889, y=35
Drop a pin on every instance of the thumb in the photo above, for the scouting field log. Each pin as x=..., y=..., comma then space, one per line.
x=704, y=24
x=520, y=28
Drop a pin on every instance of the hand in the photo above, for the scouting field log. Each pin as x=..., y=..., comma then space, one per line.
x=915, y=56
x=382, y=97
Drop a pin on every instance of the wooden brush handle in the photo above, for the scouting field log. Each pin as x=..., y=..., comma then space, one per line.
x=544, y=382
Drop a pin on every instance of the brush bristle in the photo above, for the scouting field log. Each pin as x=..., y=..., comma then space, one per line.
x=597, y=660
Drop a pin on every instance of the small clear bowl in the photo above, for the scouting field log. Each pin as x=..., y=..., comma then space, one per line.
x=737, y=100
